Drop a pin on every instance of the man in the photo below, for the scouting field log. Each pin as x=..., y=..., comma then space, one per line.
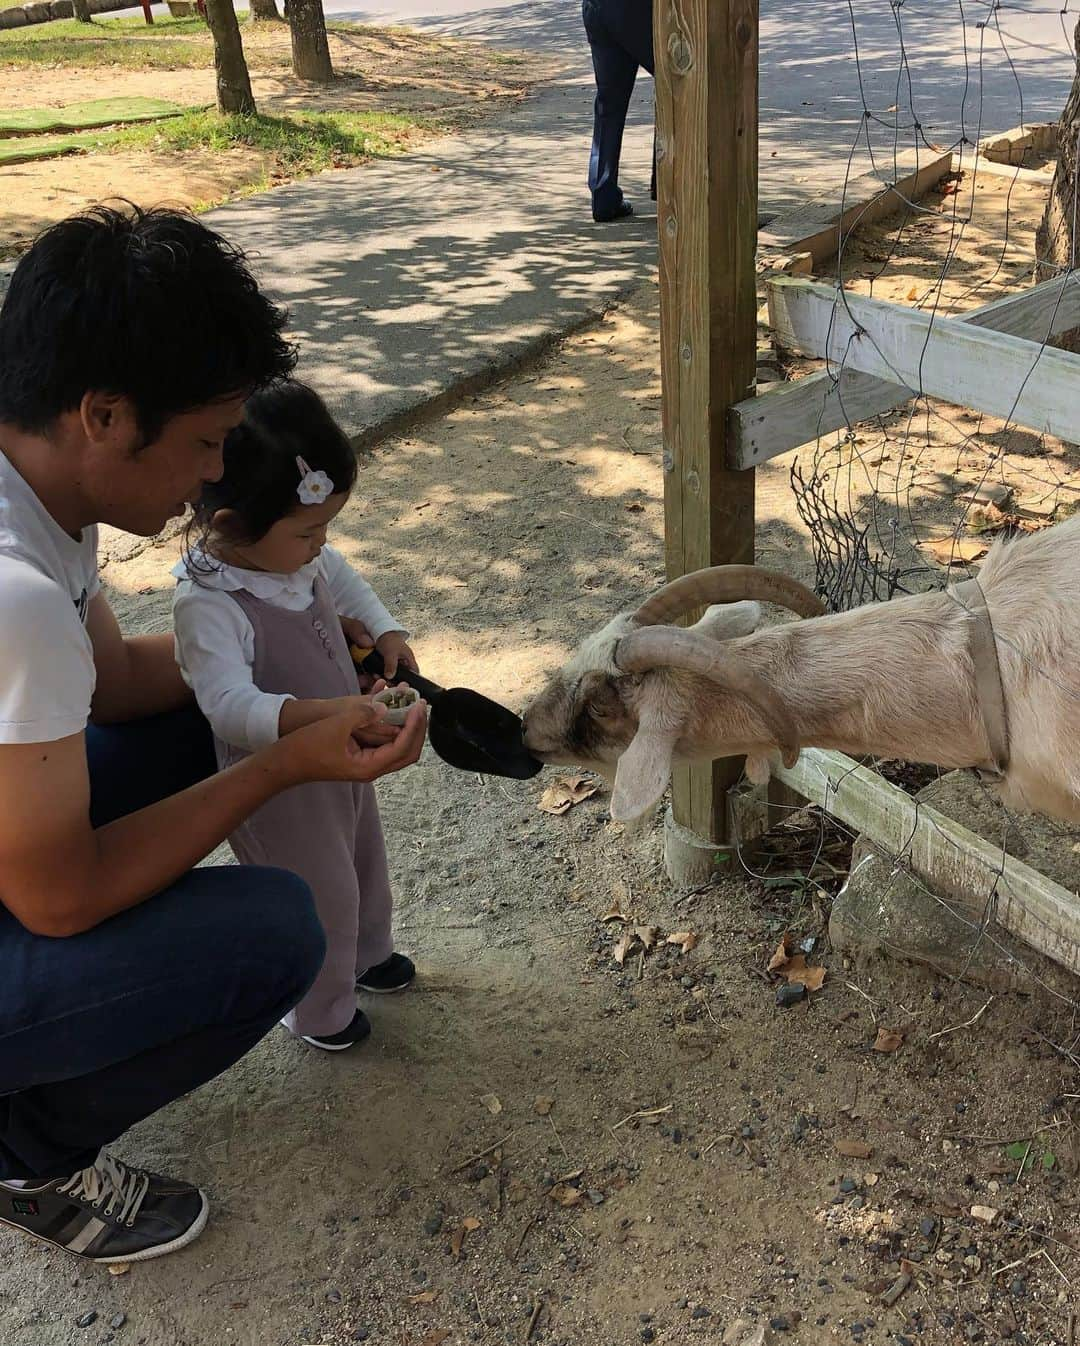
x=621, y=39
x=128, y=344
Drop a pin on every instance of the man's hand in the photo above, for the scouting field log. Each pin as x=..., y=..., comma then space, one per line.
x=395, y=650
x=334, y=748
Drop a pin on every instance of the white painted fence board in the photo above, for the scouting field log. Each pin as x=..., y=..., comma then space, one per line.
x=792, y=414
x=1002, y=375
x=951, y=859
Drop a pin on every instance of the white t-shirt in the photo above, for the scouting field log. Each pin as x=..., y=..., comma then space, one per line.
x=215, y=642
x=47, y=578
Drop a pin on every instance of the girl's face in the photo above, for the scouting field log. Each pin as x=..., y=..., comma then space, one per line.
x=292, y=542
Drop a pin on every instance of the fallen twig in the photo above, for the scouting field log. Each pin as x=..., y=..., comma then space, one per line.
x=642, y=1112
x=483, y=1153
x=944, y=1032
x=534, y=1319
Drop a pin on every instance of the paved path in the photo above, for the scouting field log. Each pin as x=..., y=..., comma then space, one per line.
x=405, y=276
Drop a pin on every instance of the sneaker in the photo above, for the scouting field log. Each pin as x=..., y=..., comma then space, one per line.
x=386, y=978
x=108, y=1212
x=357, y=1031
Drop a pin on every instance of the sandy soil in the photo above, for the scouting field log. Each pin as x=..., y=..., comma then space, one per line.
x=720, y=1158
x=387, y=70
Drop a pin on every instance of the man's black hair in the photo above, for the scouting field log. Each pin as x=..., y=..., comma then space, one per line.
x=146, y=303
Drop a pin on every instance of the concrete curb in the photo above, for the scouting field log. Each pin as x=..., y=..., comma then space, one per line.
x=429, y=406
x=21, y=15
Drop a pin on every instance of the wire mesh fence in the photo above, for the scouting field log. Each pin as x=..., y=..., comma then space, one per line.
x=912, y=499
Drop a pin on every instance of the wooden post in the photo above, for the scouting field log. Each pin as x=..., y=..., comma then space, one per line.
x=707, y=146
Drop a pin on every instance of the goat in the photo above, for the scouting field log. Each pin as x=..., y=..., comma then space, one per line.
x=892, y=679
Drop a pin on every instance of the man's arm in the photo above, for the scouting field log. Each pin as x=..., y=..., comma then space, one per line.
x=59, y=876
x=136, y=675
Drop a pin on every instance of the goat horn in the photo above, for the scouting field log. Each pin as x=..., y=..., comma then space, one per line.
x=726, y=584
x=672, y=647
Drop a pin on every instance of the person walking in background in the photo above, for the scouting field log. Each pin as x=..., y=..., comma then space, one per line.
x=621, y=39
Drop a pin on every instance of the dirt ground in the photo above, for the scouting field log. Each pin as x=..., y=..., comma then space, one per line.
x=539, y=1144
x=379, y=70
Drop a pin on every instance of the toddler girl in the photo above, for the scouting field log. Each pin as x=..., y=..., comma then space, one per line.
x=258, y=613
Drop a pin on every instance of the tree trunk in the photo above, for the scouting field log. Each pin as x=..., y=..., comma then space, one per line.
x=233, y=82
x=310, y=48
x=1055, y=239
x=264, y=9
x=82, y=11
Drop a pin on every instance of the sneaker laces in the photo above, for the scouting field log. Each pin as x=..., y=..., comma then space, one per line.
x=112, y=1182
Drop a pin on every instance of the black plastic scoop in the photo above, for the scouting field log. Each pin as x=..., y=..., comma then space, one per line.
x=470, y=731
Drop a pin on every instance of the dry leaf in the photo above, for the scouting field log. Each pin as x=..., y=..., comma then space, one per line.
x=782, y=954
x=798, y=974
x=913, y=294
x=614, y=913
x=951, y=551
x=623, y=948
x=685, y=939
x=888, y=1039
x=648, y=934
x=854, y=1149
x=425, y=1297
x=634, y=507
x=491, y=1102
x=467, y=1225
x=566, y=1196
x=563, y=794
x=987, y=1214
x=516, y=1192
x=437, y=1337
x=543, y=1105
x=119, y=1268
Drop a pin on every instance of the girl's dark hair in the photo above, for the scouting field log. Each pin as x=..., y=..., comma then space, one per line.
x=282, y=422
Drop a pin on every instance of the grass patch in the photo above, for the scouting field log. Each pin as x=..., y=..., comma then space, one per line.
x=84, y=116
x=170, y=44
x=297, y=145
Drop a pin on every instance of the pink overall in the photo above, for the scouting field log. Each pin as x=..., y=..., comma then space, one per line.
x=329, y=833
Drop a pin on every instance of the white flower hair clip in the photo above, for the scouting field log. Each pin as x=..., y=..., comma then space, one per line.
x=315, y=487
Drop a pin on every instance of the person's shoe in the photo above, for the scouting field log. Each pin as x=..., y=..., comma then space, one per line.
x=108, y=1212
x=621, y=211
x=357, y=1031
x=386, y=978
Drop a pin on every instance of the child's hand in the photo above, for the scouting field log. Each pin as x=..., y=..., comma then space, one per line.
x=356, y=633
x=395, y=650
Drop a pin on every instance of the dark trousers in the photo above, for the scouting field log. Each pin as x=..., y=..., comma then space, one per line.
x=99, y=1030
x=621, y=39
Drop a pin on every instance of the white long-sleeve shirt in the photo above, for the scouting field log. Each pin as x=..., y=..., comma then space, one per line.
x=215, y=641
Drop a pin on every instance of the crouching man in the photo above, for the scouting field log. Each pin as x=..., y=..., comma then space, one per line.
x=128, y=344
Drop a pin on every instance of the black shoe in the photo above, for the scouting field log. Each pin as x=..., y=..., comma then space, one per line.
x=621, y=211
x=357, y=1031
x=108, y=1212
x=386, y=978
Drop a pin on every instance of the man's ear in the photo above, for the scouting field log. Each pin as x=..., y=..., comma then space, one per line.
x=725, y=621
x=108, y=418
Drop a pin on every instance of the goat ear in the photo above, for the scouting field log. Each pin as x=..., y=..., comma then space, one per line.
x=725, y=621
x=643, y=772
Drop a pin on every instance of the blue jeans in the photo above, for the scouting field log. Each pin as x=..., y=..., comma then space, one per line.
x=99, y=1030
x=620, y=40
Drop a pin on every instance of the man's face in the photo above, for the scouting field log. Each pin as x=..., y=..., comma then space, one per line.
x=138, y=488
